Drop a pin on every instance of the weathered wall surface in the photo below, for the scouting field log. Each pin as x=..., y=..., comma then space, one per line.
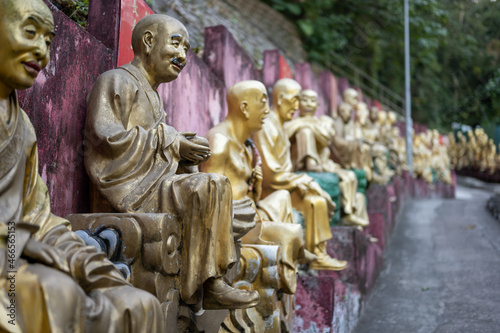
x=196, y=100
x=56, y=106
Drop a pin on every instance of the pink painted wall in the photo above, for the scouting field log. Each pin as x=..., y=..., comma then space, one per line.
x=328, y=84
x=305, y=76
x=196, y=101
x=275, y=67
x=226, y=58
x=56, y=106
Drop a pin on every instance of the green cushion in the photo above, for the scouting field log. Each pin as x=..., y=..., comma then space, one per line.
x=362, y=182
x=329, y=182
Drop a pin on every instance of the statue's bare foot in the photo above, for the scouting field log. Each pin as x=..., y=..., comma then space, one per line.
x=219, y=295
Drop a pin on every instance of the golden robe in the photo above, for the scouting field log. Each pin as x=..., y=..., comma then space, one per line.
x=82, y=291
x=312, y=137
x=275, y=221
x=132, y=158
x=274, y=147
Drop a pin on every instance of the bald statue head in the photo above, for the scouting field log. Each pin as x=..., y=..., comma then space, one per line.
x=350, y=97
x=286, y=98
x=345, y=112
x=391, y=117
x=308, y=102
x=26, y=32
x=247, y=101
x=382, y=117
x=362, y=113
x=160, y=45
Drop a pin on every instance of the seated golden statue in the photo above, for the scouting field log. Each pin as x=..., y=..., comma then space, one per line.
x=349, y=152
x=61, y=285
x=311, y=152
x=371, y=136
x=137, y=162
x=235, y=156
x=307, y=196
x=422, y=158
x=490, y=156
x=461, y=151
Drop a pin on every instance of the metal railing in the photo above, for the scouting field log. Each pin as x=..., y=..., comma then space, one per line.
x=371, y=87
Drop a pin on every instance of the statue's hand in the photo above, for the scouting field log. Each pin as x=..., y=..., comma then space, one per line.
x=315, y=189
x=194, y=148
x=257, y=182
x=45, y=254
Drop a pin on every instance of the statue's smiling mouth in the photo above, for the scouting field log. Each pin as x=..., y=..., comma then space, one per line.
x=177, y=64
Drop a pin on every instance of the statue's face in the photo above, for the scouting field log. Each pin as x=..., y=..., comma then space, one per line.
x=26, y=32
x=362, y=114
x=169, y=53
x=289, y=99
x=257, y=108
x=391, y=117
x=345, y=111
x=382, y=117
x=308, y=103
x=351, y=97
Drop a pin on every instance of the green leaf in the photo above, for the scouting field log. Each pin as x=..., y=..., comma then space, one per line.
x=306, y=27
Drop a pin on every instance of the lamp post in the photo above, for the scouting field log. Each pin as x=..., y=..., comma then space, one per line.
x=409, y=121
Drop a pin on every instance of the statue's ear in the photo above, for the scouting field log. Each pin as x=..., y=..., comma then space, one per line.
x=148, y=41
x=244, y=109
x=280, y=99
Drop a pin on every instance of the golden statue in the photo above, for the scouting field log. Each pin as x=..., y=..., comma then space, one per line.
x=307, y=196
x=371, y=136
x=312, y=137
x=490, y=156
x=61, y=285
x=235, y=156
x=138, y=163
x=351, y=153
x=422, y=158
x=452, y=150
x=461, y=151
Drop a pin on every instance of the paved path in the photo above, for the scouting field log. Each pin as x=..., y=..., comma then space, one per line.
x=442, y=270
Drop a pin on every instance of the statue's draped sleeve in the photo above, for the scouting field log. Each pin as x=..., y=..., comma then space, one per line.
x=274, y=149
x=84, y=263
x=128, y=150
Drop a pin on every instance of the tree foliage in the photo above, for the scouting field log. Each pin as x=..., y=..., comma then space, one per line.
x=455, y=47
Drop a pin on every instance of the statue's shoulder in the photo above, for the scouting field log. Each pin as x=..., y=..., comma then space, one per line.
x=219, y=138
x=117, y=76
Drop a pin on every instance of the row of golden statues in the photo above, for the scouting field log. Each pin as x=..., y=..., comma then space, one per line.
x=430, y=157
x=474, y=149
x=225, y=238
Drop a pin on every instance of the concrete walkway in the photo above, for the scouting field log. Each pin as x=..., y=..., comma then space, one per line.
x=441, y=271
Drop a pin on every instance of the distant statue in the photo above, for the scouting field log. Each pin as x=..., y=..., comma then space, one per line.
x=371, y=135
x=61, y=285
x=312, y=137
x=307, y=196
x=138, y=163
x=350, y=152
